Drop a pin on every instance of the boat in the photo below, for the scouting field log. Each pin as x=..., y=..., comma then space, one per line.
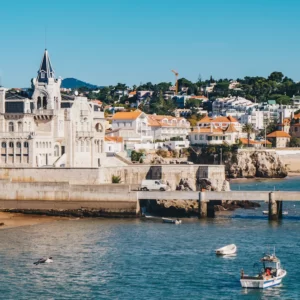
x=171, y=221
x=270, y=275
x=284, y=213
x=227, y=250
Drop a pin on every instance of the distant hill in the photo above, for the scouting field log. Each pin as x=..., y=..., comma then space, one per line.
x=72, y=83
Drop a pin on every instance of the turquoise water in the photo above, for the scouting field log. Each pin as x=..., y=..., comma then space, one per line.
x=135, y=259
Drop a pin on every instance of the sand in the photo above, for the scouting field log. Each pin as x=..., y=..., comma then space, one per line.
x=17, y=219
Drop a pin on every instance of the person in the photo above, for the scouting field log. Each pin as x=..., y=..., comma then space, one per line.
x=242, y=273
x=268, y=272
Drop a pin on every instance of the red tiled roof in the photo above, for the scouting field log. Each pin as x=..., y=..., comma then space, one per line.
x=277, y=134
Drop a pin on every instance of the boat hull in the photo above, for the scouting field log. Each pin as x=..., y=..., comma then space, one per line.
x=262, y=283
x=227, y=250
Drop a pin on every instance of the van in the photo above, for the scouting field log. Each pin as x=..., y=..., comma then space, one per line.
x=153, y=185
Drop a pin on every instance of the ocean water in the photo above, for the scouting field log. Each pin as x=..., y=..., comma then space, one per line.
x=136, y=259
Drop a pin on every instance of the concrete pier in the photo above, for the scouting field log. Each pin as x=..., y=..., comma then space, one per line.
x=273, y=215
x=202, y=205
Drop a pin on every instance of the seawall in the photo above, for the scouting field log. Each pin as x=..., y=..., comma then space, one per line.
x=114, y=200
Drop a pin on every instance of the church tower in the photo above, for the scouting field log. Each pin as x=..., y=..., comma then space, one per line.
x=46, y=87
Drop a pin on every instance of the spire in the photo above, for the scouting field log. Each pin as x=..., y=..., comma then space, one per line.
x=46, y=71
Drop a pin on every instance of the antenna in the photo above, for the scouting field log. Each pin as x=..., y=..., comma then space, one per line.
x=45, y=36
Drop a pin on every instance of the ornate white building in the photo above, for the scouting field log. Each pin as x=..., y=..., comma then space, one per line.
x=45, y=130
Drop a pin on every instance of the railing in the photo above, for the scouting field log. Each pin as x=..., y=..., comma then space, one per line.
x=14, y=134
x=84, y=134
x=43, y=112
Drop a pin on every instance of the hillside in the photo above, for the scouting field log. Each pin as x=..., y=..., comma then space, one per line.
x=73, y=83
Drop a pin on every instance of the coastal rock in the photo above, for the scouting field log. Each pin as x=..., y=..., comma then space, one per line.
x=250, y=164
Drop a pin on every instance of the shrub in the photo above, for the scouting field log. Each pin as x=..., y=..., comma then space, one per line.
x=115, y=179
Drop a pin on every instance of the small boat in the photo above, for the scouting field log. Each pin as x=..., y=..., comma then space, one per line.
x=227, y=250
x=171, y=221
x=270, y=275
x=284, y=213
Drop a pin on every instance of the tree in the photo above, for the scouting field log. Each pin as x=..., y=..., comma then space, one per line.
x=276, y=76
x=294, y=142
x=248, y=128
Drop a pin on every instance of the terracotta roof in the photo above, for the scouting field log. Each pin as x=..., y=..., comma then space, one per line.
x=124, y=115
x=297, y=116
x=252, y=142
x=231, y=128
x=116, y=139
x=221, y=119
x=277, y=134
x=132, y=93
x=157, y=120
x=207, y=130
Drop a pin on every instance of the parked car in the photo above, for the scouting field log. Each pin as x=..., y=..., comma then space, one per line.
x=153, y=185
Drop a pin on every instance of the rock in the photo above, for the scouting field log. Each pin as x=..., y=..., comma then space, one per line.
x=250, y=164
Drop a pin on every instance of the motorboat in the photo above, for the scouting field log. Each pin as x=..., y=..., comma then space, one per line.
x=227, y=250
x=266, y=212
x=171, y=221
x=270, y=275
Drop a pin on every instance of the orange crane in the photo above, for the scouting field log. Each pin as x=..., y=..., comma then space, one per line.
x=176, y=76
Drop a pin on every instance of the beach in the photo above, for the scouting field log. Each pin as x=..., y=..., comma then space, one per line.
x=17, y=219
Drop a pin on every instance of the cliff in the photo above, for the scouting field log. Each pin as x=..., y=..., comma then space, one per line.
x=249, y=164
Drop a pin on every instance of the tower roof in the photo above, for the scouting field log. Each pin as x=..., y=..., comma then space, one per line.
x=46, y=71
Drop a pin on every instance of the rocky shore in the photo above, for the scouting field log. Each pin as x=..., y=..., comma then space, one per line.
x=190, y=208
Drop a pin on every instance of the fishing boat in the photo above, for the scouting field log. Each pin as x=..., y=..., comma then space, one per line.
x=171, y=221
x=284, y=213
x=270, y=275
x=227, y=250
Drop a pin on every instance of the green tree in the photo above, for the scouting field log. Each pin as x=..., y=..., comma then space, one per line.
x=248, y=128
x=294, y=142
x=276, y=76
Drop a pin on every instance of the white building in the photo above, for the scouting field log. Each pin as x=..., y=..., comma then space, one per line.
x=43, y=130
x=136, y=127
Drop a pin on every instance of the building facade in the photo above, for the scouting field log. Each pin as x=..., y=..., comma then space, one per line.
x=41, y=129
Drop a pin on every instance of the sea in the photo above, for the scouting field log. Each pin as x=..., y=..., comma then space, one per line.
x=138, y=259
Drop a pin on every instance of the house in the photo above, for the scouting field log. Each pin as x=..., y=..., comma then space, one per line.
x=279, y=139
x=113, y=144
x=44, y=129
x=254, y=143
x=219, y=122
x=136, y=127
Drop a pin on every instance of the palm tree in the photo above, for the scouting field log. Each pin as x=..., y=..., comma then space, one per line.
x=248, y=128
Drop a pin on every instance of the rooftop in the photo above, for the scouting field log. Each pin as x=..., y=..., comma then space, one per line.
x=277, y=134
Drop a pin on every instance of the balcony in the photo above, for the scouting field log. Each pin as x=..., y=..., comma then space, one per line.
x=84, y=134
x=16, y=135
x=43, y=112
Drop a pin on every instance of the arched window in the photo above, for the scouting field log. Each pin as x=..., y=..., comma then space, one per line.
x=11, y=144
x=56, y=150
x=44, y=145
x=77, y=146
x=25, y=145
x=11, y=127
x=18, y=145
x=99, y=127
x=82, y=146
x=37, y=145
x=49, y=144
x=3, y=145
x=45, y=102
x=20, y=126
x=39, y=103
x=87, y=146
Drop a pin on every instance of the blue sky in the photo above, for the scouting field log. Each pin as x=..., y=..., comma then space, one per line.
x=131, y=41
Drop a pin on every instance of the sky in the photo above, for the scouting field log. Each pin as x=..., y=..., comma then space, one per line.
x=104, y=42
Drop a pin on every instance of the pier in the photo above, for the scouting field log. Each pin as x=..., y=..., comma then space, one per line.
x=206, y=199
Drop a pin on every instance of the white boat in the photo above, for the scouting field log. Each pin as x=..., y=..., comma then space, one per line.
x=284, y=213
x=271, y=274
x=171, y=221
x=227, y=250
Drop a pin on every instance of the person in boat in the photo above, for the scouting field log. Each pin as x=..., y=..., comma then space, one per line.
x=268, y=272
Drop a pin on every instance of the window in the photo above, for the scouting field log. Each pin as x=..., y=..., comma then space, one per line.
x=82, y=146
x=3, y=145
x=11, y=127
x=25, y=145
x=36, y=144
x=11, y=144
x=98, y=127
x=18, y=145
x=56, y=150
x=87, y=146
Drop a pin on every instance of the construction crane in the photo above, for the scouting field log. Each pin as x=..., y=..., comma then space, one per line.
x=176, y=76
